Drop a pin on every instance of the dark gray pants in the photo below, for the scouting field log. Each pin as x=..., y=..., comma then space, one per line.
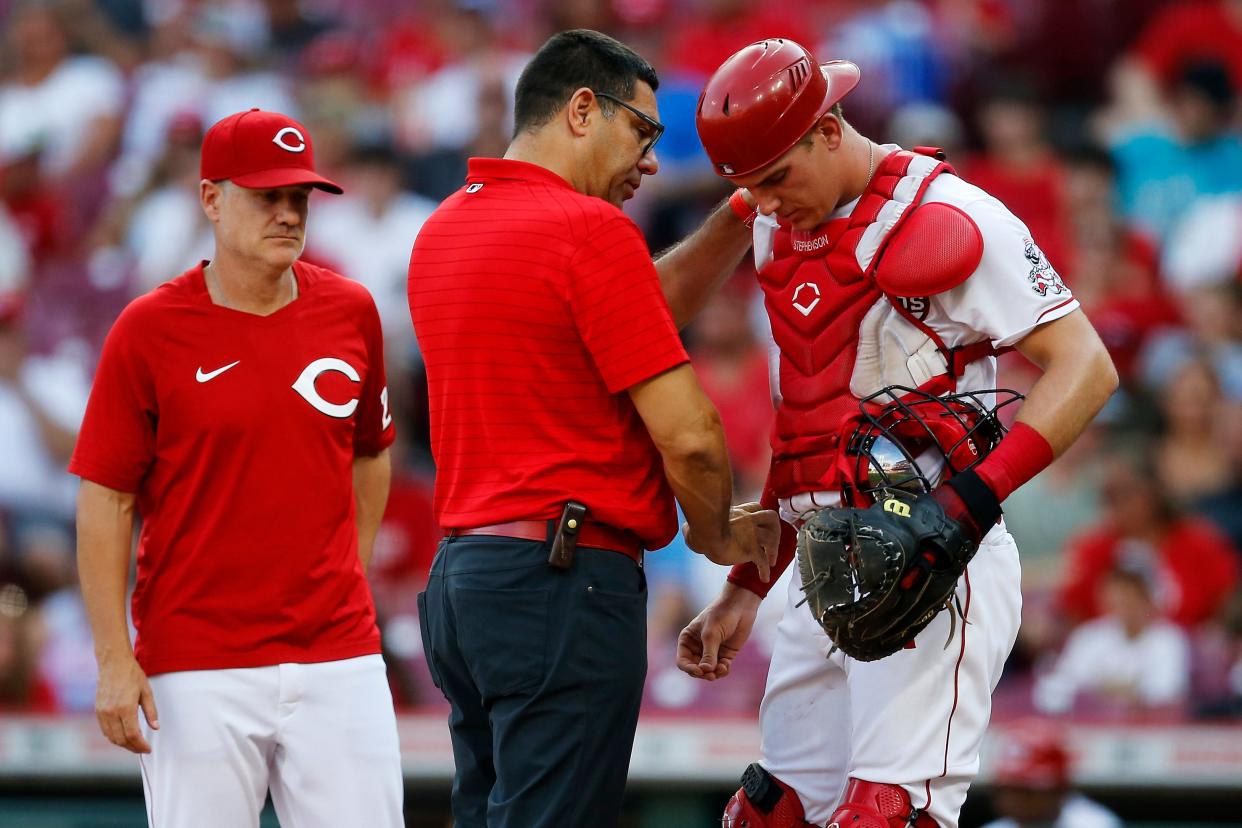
x=544, y=672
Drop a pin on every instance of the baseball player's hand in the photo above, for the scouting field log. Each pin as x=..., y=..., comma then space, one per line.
x=122, y=689
x=707, y=646
x=754, y=537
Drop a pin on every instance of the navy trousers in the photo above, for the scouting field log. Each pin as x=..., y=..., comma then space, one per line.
x=543, y=670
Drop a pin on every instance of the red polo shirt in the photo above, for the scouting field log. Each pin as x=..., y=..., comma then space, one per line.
x=536, y=307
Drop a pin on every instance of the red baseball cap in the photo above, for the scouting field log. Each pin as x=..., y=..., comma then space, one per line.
x=1033, y=758
x=258, y=150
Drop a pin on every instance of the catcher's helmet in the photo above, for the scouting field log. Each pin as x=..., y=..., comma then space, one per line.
x=912, y=440
x=763, y=99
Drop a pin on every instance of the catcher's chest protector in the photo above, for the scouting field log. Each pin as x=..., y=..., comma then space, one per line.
x=818, y=289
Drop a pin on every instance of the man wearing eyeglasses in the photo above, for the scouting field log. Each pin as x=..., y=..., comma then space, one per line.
x=565, y=418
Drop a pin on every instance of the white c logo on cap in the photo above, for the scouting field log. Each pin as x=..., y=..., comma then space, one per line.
x=279, y=140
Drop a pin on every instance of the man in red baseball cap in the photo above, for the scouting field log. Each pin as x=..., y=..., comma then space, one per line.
x=242, y=410
x=1032, y=783
x=886, y=278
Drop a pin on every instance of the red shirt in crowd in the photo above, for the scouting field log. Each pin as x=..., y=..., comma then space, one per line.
x=1131, y=305
x=237, y=433
x=1196, y=567
x=746, y=415
x=408, y=536
x=1036, y=196
x=536, y=307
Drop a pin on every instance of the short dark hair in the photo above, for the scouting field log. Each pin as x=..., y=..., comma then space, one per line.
x=569, y=61
x=834, y=110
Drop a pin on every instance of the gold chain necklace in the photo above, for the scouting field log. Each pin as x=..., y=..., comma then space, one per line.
x=870, y=164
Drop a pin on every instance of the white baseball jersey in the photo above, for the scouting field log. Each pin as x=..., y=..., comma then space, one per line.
x=916, y=718
x=1012, y=291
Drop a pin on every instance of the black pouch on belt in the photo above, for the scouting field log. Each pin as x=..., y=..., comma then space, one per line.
x=565, y=541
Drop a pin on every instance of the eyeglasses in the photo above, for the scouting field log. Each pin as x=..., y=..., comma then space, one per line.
x=656, y=127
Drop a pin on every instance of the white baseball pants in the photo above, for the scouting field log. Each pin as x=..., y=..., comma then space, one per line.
x=322, y=736
x=914, y=719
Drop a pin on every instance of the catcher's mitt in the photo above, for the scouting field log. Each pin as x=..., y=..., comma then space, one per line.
x=875, y=577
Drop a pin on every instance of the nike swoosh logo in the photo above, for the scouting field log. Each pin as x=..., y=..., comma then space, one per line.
x=201, y=377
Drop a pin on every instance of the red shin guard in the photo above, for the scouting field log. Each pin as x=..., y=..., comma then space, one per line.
x=764, y=802
x=878, y=805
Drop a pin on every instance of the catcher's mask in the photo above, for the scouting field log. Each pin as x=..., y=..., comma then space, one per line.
x=912, y=440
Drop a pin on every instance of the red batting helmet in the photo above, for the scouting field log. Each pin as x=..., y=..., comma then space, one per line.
x=761, y=101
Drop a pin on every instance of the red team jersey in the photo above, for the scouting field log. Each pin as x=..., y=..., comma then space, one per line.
x=536, y=307
x=237, y=433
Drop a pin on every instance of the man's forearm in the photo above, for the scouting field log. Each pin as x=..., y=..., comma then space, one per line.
x=1078, y=379
x=685, y=428
x=702, y=482
x=105, y=534
x=372, y=478
x=1065, y=400
x=693, y=269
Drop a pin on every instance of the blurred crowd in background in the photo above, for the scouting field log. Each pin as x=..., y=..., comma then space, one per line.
x=1110, y=127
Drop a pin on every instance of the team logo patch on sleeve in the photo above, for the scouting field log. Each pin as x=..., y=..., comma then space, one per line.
x=1043, y=278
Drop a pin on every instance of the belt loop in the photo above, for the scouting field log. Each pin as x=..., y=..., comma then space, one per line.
x=551, y=531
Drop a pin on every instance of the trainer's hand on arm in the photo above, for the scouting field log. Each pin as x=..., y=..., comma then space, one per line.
x=105, y=532
x=707, y=646
x=685, y=427
x=752, y=530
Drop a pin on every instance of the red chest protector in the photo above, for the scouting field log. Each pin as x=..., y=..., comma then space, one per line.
x=818, y=288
